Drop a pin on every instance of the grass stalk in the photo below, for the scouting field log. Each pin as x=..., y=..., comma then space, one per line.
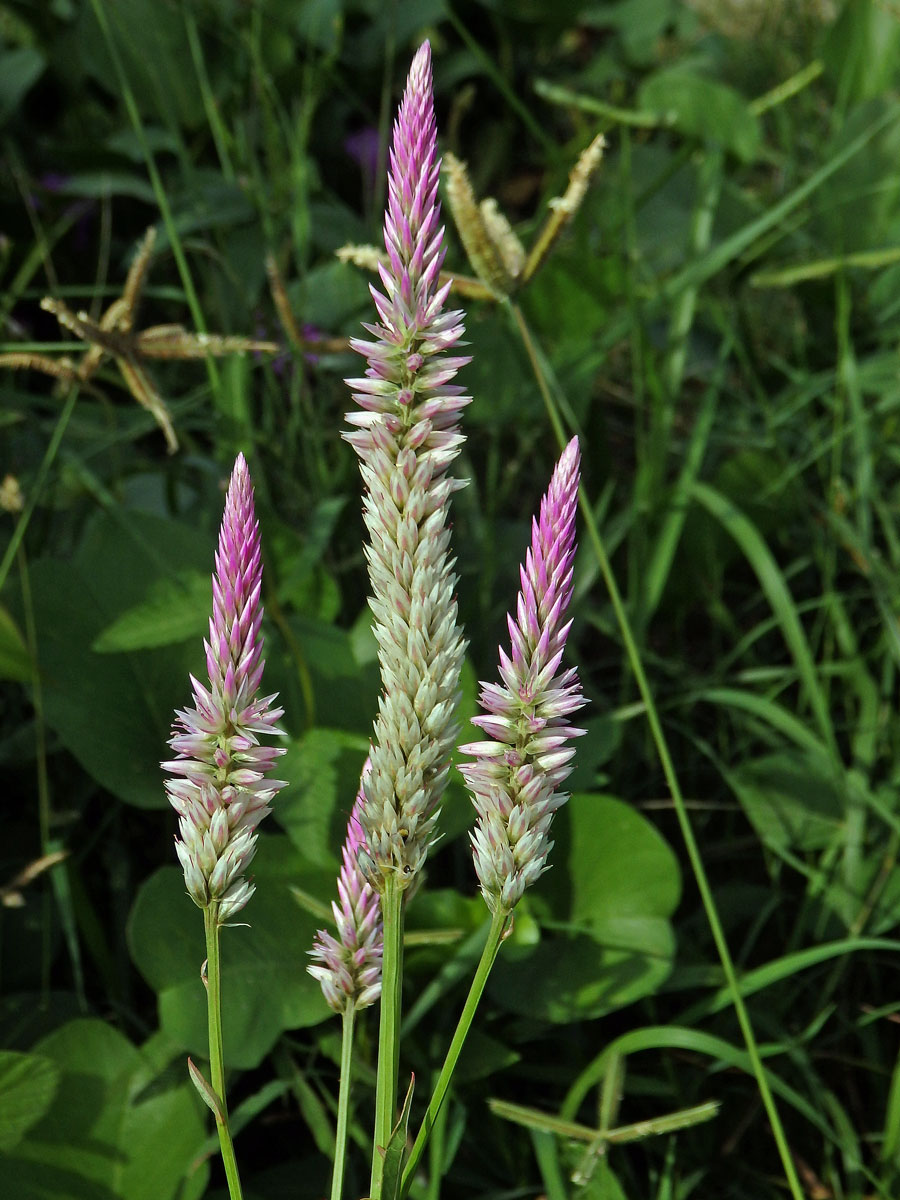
x=389, y=1029
x=498, y=926
x=343, y=1112
x=216, y=1056
x=37, y=488
x=668, y=769
x=159, y=190
x=210, y=105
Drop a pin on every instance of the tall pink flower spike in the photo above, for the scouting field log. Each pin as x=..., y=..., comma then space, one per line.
x=219, y=787
x=349, y=966
x=406, y=436
x=515, y=777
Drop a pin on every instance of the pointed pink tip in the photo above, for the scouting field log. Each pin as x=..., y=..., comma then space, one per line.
x=571, y=456
x=421, y=63
x=240, y=477
x=566, y=471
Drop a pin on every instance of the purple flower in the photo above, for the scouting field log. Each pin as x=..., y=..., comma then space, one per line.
x=219, y=789
x=406, y=437
x=363, y=147
x=515, y=777
x=349, y=966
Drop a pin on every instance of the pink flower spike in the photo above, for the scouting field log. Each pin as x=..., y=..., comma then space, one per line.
x=348, y=966
x=220, y=791
x=514, y=779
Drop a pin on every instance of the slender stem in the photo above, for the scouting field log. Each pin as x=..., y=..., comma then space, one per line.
x=499, y=923
x=36, y=490
x=343, y=1113
x=216, y=1059
x=668, y=768
x=210, y=106
x=389, y=1028
x=159, y=190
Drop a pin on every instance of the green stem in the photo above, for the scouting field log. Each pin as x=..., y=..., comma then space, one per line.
x=499, y=924
x=389, y=1028
x=159, y=190
x=343, y=1113
x=216, y=1059
x=668, y=768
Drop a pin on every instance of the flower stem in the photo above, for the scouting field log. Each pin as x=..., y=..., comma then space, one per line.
x=499, y=925
x=389, y=1028
x=668, y=769
x=343, y=1112
x=216, y=1063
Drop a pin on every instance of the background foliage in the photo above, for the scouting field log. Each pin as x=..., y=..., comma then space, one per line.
x=720, y=324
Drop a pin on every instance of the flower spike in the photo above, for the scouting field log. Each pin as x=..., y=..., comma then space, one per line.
x=349, y=966
x=219, y=787
x=515, y=777
x=406, y=434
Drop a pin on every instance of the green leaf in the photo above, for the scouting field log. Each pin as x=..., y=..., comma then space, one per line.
x=265, y=985
x=860, y=50
x=703, y=108
x=483, y=1057
x=101, y=185
x=205, y=1091
x=331, y=295
x=173, y=611
x=323, y=767
x=395, y=1151
x=533, y=1118
x=107, y=1132
x=20, y=69
x=620, y=882
x=27, y=1086
x=15, y=661
x=778, y=594
x=155, y=56
x=114, y=711
x=791, y=799
x=617, y=863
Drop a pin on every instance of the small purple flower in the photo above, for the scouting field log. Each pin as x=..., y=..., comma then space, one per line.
x=349, y=966
x=219, y=789
x=515, y=777
x=406, y=436
x=363, y=146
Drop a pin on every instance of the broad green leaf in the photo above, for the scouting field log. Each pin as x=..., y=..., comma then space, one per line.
x=15, y=661
x=173, y=611
x=345, y=693
x=265, y=985
x=114, y=711
x=618, y=866
x=791, y=799
x=330, y=294
x=619, y=883
x=483, y=1056
x=108, y=1132
x=703, y=108
x=20, y=69
x=27, y=1086
x=324, y=769
x=578, y=976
